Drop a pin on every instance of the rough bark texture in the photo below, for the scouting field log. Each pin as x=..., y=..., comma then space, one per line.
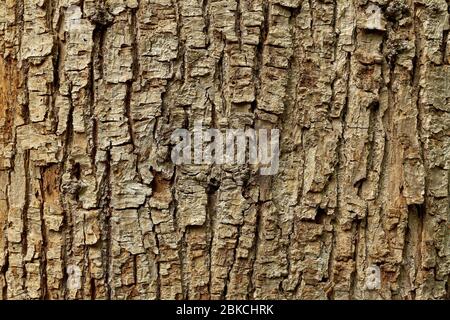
x=91, y=207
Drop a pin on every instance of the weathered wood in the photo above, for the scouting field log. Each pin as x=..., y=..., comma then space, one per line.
x=92, y=207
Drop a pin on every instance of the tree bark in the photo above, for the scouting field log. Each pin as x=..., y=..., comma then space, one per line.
x=92, y=207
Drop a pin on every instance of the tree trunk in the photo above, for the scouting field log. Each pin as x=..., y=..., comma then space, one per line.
x=92, y=206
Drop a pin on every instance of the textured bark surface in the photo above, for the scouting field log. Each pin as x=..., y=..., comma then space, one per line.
x=91, y=206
